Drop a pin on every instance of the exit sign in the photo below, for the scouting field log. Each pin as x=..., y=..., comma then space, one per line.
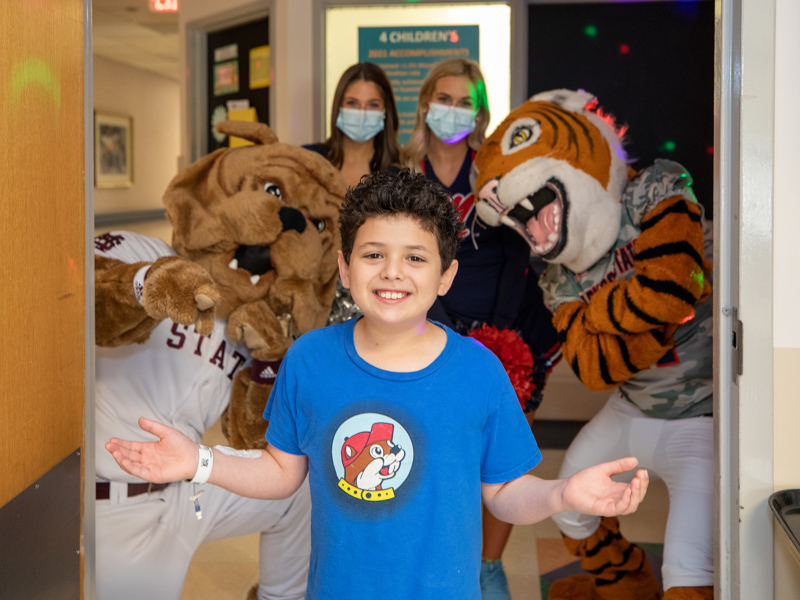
x=163, y=5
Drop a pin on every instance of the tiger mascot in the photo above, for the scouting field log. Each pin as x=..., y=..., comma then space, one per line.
x=628, y=283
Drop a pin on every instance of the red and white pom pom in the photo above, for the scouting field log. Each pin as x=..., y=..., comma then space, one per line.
x=514, y=354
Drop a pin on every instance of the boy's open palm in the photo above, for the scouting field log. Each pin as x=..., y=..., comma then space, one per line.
x=172, y=458
x=593, y=492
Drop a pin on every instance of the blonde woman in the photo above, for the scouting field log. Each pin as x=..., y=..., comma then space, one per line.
x=494, y=284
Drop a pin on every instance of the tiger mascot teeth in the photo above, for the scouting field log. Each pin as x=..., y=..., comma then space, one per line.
x=547, y=162
x=628, y=282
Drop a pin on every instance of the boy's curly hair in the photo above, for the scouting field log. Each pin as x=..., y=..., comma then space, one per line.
x=383, y=194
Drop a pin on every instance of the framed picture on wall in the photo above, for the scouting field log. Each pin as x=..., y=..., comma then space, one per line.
x=113, y=150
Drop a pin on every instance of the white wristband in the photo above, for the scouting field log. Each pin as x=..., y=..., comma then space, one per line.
x=138, y=282
x=205, y=461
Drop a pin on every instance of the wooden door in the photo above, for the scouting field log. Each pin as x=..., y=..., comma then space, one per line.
x=42, y=297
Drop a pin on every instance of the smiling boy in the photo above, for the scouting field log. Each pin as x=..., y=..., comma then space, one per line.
x=402, y=425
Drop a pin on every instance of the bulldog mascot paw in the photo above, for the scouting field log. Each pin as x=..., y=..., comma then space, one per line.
x=628, y=283
x=190, y=331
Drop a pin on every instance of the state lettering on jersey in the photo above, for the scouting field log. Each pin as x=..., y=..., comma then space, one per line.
x=623, y=264
x=107, y=242
x=226, y=358
x=464, y=204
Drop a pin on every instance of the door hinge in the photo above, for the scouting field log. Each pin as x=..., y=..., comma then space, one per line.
x=737, y=346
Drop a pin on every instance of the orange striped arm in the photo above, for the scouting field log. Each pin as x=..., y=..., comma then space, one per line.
x=671, y=275
x=602, y=360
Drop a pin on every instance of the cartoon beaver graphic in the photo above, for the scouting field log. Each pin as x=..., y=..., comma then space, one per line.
x=369, y=457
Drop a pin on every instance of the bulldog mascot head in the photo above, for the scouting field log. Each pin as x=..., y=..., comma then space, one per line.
x=255, y=236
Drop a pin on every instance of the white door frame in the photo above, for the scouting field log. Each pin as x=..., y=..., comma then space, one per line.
x=88, y=458
x=743, y=205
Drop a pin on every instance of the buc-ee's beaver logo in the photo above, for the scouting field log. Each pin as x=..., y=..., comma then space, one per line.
x=372, y=455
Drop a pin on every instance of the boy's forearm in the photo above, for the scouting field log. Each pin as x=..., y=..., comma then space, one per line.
x=272, y=476
x=525, y=500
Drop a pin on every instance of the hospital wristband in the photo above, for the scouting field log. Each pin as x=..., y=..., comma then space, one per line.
x=205, y=461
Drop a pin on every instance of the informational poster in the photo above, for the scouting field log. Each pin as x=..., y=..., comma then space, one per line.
x=247, y=114
x=226, y=78
x=406, y=54
x=259, y=67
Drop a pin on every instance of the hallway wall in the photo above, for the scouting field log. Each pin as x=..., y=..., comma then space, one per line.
x=786, y=324
x=154, y=103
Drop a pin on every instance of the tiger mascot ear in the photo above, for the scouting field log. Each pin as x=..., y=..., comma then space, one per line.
x=554, y=171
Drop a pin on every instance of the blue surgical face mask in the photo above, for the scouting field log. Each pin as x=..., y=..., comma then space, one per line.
x=450, y=124
x=360, y=125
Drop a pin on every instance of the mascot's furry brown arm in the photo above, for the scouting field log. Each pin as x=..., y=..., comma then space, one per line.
x=256, y=234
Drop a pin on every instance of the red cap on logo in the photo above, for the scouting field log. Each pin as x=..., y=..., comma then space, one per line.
x=354, y=445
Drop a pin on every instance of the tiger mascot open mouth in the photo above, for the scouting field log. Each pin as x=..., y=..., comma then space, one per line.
x=554, y=171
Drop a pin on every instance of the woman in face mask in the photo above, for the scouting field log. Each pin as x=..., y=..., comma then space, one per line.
x=452, y=117
x=494, y=283
x=363, y=124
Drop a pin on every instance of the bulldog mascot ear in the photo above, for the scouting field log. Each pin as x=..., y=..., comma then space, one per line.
x=255, y=236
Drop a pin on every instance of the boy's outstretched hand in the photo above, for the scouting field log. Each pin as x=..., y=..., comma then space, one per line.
x=172, y=458
x=593, y=492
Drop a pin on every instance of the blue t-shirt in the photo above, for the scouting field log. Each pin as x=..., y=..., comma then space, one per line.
x=395, y=463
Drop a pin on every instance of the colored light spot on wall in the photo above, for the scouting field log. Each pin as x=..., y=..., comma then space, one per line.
x=34, y=72
x=590, y=31
x=624, y=49
x=667, y=146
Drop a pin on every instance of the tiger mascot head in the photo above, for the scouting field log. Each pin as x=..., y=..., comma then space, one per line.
x=554, y=171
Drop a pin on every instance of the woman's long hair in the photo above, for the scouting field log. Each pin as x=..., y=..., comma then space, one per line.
x=387, y=150
x=417, y=146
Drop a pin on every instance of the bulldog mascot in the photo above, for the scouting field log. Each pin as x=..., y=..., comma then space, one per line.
x=189, y=332
x=628, y=285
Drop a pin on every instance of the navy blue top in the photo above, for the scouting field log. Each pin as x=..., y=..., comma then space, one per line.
x=324, y=149
x=490, y=283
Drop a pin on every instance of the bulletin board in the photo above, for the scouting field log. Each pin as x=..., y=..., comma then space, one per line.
x=239, y=79
x=420, y=36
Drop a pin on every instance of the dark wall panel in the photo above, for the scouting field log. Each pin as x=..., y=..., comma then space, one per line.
x=40, y=535
x=651, y=64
